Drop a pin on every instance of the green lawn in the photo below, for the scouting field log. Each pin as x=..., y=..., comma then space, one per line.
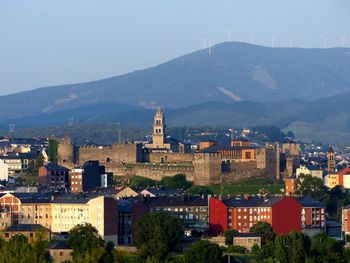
x=251, y=186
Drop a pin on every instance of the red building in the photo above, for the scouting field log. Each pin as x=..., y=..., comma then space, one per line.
x=313, y=214
x=284, y=214
x=54, y=176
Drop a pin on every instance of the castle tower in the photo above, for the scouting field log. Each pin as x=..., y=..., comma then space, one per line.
x=330, y=160
x=159, y=129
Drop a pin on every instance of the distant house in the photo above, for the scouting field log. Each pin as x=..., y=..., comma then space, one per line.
x=247, y=240
x=157, y=192
x=60, y=252
x=54, y=176
x=313, y=170
x=31, y=231
x=125, y=192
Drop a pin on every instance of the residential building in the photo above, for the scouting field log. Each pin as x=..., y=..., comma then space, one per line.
x=101, y=212
x=60, y=252
x=313, y=170
x=247, y=240
x=313, y=215
x=290, y=185
x=346, y=219
x=158, y=191
x=14, y=163
x=31, y=231
x=282, y=213
x=4, y=172
x=90, y=177
x=54, y=176
x=27, y=208
x=5, y=218
x=125, y=192
x=193, y=210
x=331, y=180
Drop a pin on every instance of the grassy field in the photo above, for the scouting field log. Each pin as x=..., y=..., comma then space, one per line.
x=251, y=186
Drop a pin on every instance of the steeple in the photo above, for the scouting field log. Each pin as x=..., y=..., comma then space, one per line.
x=159, y=129
x=331, y=165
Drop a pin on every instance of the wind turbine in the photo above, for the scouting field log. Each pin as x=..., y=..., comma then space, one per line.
x=291, y=41
x=251, y=38
x=342, y=41
x=273, y=38
x=209, y=47
x=228, y=35
x=204, y=43
x=325, y=42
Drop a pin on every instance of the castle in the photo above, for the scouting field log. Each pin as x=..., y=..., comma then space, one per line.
x=164, y=156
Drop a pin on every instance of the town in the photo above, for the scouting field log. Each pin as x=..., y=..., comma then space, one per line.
x=242, y=196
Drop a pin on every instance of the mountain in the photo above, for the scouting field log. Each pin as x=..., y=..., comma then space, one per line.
x=233, y=72
x=324, y=120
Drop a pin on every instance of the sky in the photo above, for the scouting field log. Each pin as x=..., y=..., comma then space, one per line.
x=53, y=42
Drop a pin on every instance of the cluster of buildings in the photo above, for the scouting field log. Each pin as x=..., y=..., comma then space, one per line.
x=79, y=188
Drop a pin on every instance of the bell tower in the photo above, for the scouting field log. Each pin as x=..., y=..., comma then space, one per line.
x=330, y=160
x=158, y=129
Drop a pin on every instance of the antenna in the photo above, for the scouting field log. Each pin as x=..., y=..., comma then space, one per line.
x=291, y=41
x=251, y=38
x=228, y=35
x=325, y=42
x=273, y=38
x=204, y=43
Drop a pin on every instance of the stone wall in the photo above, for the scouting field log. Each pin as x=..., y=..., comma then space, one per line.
x=116, y=153
x=171, y=157
x=207, y=168
x=65, y=152
x=154, y=172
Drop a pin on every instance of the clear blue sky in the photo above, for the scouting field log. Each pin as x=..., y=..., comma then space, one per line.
x=51, y=42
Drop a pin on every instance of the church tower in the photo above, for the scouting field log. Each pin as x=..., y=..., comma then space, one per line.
x=330, y=160
x=159, y=129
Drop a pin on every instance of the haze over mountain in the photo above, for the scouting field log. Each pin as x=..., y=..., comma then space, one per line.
x=237, y=84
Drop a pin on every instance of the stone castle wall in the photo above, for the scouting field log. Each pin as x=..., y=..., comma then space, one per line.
x=154, y=172
x=116, y=153
x=170, y=157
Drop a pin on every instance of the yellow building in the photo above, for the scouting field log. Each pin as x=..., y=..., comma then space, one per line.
x=331, y=180
x=99, y=211
x=36, y=211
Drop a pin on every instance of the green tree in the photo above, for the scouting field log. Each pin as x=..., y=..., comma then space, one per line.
x=326, y=249
x=142, y=182
x=87, y=244
x=203, y=251
x=266, y=231
x=292, y=248
x=53, y=150
x=199, y=190
x=176, y=182
x=156, y=235
x=228, y=234
x=311, y=186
